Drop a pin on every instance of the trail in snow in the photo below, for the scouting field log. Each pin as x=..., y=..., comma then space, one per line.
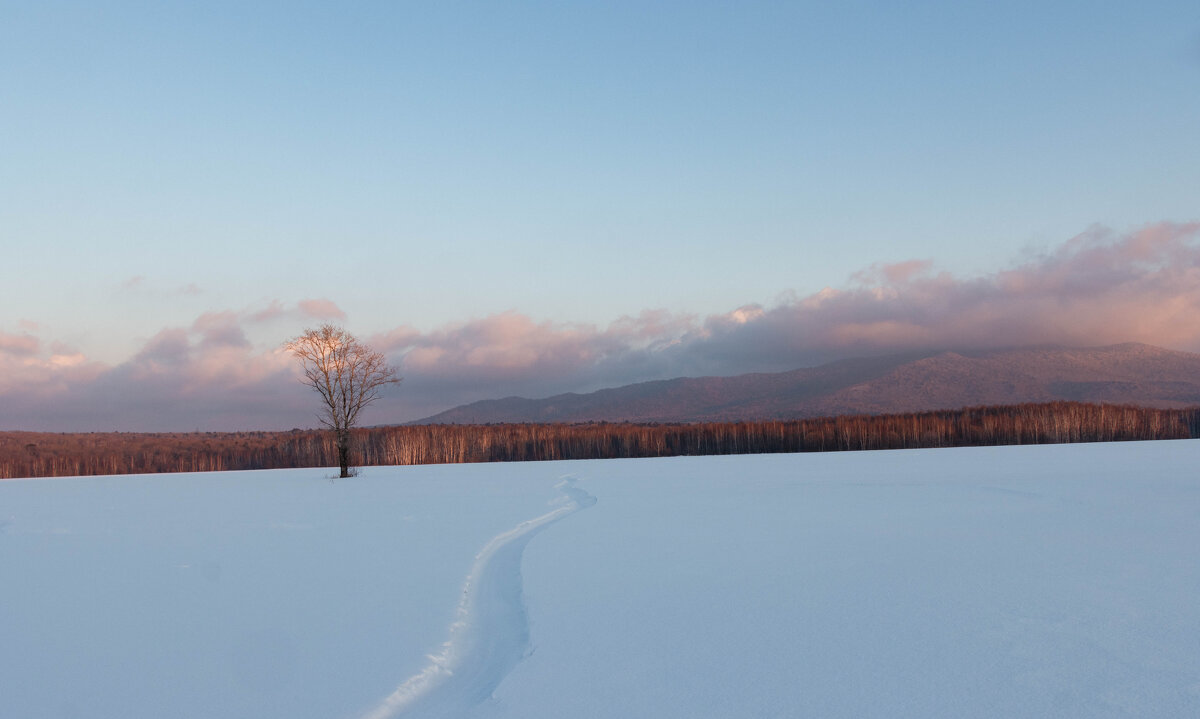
x=491, y=633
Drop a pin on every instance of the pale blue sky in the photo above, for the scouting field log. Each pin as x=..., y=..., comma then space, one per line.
x=424, y=164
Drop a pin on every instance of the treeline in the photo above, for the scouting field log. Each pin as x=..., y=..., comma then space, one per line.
x=30, y=454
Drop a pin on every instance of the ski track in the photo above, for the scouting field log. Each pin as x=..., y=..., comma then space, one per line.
x=491, y=633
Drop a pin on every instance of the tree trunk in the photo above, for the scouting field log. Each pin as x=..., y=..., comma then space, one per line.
x=343, y=446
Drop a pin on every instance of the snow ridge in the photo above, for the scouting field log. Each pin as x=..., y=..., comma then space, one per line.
x=491, y=633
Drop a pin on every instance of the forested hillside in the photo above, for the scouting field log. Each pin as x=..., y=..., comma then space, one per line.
x=1130, y=373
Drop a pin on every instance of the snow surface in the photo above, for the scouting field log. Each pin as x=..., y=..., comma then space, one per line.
x=1016, y=581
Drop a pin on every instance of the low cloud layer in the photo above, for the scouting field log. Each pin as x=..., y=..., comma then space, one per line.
x=1097, y=288
x=205, y=376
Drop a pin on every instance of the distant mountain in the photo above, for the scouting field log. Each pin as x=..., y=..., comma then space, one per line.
x=1126, y=373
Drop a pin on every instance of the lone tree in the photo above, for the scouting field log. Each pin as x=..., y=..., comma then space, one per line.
x=347, y=374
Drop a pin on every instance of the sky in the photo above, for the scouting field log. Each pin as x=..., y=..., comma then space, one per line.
x=532, y=198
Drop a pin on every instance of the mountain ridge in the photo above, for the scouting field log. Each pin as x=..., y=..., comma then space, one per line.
x=1127, y=373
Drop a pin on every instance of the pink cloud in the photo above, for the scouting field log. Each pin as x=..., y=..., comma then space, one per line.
x=205, y=376
x=321, y=309
x=894, y=272
x=22, y=345
x=170, y=347
x=220, y=329
x=304, y=310
x=1097, y=288
x=29, y=371
x=272, y=311
x=505, y=344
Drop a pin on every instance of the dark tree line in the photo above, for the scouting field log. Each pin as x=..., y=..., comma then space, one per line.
x=29, y=454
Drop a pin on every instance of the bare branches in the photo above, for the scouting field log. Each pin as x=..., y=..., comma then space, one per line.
x=347, y=374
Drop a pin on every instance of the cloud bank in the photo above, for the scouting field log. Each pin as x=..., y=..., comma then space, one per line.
x=1097, y=288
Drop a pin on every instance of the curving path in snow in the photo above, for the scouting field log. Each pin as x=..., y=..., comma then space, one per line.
x=490, y=635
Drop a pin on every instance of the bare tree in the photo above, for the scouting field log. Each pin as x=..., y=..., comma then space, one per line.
x=347, y=374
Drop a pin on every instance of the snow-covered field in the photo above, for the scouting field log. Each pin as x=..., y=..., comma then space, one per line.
x=993, y=582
